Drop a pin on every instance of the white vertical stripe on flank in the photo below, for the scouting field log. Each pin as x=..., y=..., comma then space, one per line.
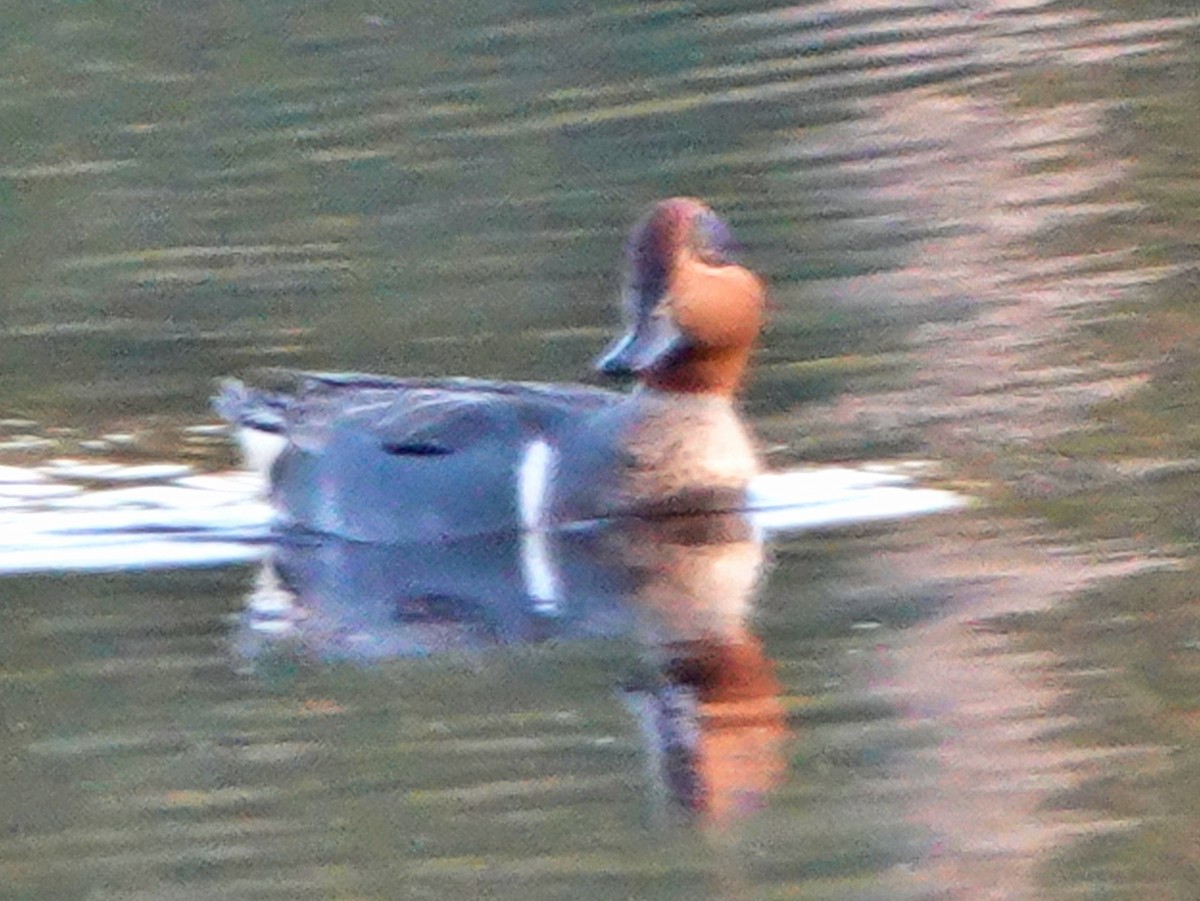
x=533, y=483
x=533, y=490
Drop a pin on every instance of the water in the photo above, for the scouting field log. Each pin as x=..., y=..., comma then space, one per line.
x=979, y=223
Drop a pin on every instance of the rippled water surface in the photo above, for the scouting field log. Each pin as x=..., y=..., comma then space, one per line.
x=979, y=224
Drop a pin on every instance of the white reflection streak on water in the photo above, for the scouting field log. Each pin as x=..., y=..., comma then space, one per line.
x=988, y=177
x=50, y=523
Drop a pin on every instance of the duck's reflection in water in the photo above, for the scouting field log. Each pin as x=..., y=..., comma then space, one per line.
x=681, y=586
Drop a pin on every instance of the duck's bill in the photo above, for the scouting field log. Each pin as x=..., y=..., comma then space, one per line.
x=647, y=346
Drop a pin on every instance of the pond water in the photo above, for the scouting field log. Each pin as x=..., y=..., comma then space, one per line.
x=979, y=224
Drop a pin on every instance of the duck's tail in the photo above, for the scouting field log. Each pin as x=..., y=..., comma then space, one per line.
x=259, y=421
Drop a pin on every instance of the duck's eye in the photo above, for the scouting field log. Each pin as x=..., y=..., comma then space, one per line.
x=714, y=241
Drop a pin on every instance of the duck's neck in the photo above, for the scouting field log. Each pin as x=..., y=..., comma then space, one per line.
x=717, y=373
x=673, y=398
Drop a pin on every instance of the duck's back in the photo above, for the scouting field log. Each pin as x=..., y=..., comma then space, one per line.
x=382, y=459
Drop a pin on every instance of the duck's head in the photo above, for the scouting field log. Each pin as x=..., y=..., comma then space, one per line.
x=692, y=312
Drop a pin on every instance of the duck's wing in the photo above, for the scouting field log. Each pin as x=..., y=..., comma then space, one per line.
x=378, y=459
x=405, y=416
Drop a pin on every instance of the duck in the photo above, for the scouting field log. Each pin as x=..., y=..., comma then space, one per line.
x=385, y=459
